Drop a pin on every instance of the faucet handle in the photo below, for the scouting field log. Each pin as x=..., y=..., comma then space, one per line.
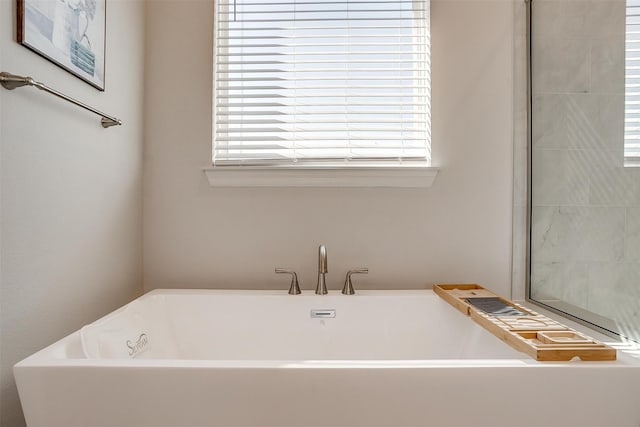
x=348, y=286
x=294, y=289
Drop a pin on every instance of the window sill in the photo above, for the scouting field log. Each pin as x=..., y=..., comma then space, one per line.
x=317, y=176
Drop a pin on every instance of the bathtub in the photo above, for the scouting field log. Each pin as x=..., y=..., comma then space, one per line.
x=216, y=358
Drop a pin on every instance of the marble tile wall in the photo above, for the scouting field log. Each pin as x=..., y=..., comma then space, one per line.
x=585, y=240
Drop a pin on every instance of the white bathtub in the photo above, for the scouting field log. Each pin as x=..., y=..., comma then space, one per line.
x=196, y=358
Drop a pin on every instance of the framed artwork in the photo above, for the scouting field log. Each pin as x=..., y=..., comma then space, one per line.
x=69, y=33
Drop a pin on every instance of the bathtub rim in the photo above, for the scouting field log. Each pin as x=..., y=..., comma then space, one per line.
x=628, y=355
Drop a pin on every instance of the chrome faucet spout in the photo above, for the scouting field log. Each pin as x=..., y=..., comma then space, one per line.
x=322, y=259
x=321, y=288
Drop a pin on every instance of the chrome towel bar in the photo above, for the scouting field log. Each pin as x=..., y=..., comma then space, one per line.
x=11, y=81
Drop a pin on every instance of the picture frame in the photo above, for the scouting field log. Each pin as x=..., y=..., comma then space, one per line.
x=69, y=33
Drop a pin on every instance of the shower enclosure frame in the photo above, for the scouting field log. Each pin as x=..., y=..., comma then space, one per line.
x=524, y=257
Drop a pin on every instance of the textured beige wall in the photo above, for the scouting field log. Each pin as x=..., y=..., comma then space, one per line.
x=457, y=230
x=71, y=195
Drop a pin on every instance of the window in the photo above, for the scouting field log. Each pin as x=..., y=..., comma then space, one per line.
x=325, y=82
x=632, y=85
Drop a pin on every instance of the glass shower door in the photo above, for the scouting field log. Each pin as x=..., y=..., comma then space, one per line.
x=585, y=183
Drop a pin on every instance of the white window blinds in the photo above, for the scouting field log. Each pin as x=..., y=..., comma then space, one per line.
x=632, y=84
x=328, y=81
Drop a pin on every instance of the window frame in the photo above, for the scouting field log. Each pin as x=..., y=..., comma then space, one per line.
x=632, y=91
x=408, y=174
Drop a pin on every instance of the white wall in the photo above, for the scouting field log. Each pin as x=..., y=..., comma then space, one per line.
x=71, y=194
x=459, y=230
x=2, y=377
x=520, y=153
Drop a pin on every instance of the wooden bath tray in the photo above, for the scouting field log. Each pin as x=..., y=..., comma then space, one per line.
x=525, y=330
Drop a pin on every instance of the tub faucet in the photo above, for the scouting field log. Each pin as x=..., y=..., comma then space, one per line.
x=348, y=284
x=321, y=288
x=294, y=288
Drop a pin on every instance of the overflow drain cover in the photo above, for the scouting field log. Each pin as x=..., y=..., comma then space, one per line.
x=323, y=314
